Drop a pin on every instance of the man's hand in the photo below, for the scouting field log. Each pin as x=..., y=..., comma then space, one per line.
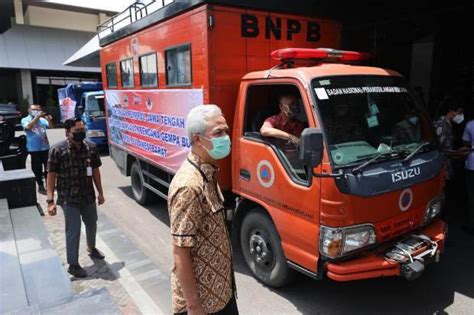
x=196, y=309
x=52, y=209
x=294, y=140
x=100, y=199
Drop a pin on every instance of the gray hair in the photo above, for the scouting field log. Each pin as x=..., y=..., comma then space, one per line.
x=198, y=117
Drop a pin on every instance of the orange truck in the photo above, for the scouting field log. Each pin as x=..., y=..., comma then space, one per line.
x=359, y=197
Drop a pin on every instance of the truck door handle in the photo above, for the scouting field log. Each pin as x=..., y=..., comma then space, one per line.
x=244, y=174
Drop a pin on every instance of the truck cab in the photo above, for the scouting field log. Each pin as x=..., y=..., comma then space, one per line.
x=360, y=196
x=92, y=111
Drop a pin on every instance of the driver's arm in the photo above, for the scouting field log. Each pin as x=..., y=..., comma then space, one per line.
x=267, y=130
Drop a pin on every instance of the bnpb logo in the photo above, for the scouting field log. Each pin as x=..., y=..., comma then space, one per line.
x=406, y=198
x=265, y=174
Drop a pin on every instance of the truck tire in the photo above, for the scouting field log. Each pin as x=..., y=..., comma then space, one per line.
x=261, y=247
x=141, y=194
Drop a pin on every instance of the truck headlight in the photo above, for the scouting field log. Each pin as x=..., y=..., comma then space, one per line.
x=433, y=210
x=337, y=242
x=95, y=133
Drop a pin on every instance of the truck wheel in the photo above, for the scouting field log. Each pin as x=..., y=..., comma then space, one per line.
x=261, y=247
x=142, y=195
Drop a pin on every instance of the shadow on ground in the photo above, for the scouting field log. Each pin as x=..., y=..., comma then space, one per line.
x=155, y=209
x=432, y=293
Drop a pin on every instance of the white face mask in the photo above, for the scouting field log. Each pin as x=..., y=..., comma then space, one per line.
x=459, y=118
x=34, y=112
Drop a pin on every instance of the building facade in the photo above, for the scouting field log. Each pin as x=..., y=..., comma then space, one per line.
x=36, y=38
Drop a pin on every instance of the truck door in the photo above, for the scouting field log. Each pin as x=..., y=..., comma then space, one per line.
x=266, y=170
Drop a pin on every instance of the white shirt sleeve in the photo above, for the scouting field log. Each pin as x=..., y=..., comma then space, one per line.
x=468, y=134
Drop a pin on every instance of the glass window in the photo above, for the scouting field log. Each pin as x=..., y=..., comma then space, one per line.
x=126, y=72
x=269, y=104
x=95, y=105
x=364, y=116
x=111, y=73
x=148, y=70
x=178, y=65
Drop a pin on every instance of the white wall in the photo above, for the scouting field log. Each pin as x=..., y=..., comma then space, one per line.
x=18, y=4
x=54, y=18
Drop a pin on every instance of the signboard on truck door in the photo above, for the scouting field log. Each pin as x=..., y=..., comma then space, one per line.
x=151, y=123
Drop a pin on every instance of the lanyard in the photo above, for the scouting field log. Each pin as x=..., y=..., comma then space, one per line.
x=200, y=171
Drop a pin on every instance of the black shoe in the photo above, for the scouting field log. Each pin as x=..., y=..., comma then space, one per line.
x=77, y=271
x=96, y=254
x=42, y=190
x=468, y=230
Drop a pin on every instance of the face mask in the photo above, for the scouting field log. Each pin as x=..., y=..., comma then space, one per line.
x=413, y=120
x=34, y=113
x=220, y=147
x=459, y=118
x=292, y=112
x=79, y=136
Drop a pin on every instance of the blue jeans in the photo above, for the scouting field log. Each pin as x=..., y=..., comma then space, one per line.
x=72, y=215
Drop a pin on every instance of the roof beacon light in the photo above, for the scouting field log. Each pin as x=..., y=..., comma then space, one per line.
x=318, y=53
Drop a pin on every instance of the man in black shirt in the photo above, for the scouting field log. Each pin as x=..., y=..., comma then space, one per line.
x=73, y=165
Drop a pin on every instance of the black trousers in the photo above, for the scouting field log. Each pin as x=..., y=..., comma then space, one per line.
x=39, y=159
x=229, y=309
x=470, y=197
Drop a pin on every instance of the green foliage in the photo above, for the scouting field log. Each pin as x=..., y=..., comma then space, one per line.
x=23, y=105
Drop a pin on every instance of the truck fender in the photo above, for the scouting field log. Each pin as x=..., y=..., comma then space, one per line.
x=242, y=207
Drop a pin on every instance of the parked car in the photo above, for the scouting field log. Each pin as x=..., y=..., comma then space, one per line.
x=12, y=149
x=11, y=114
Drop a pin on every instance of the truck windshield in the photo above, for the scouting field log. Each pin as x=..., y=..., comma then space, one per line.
x=95, y=105
x=366, y=116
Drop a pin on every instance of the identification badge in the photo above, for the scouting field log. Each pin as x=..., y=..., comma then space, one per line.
x=89, y=171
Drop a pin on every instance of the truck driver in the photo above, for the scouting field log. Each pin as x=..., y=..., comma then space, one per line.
x=284, y=125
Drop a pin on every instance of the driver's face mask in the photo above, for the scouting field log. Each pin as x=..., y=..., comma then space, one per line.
x=292, y=110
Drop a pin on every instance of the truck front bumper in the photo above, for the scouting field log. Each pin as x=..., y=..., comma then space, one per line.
x=375, y=264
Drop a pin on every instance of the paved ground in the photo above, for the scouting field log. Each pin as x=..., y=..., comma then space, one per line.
x=139, y=254
x=100, y=272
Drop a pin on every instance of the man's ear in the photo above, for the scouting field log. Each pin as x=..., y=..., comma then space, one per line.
x=195, y=138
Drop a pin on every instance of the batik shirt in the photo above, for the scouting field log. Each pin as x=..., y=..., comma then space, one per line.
x=73, y=185
x=444, y=131
x=195, y=205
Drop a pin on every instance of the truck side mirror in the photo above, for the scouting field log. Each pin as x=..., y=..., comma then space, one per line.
x=311, y=147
